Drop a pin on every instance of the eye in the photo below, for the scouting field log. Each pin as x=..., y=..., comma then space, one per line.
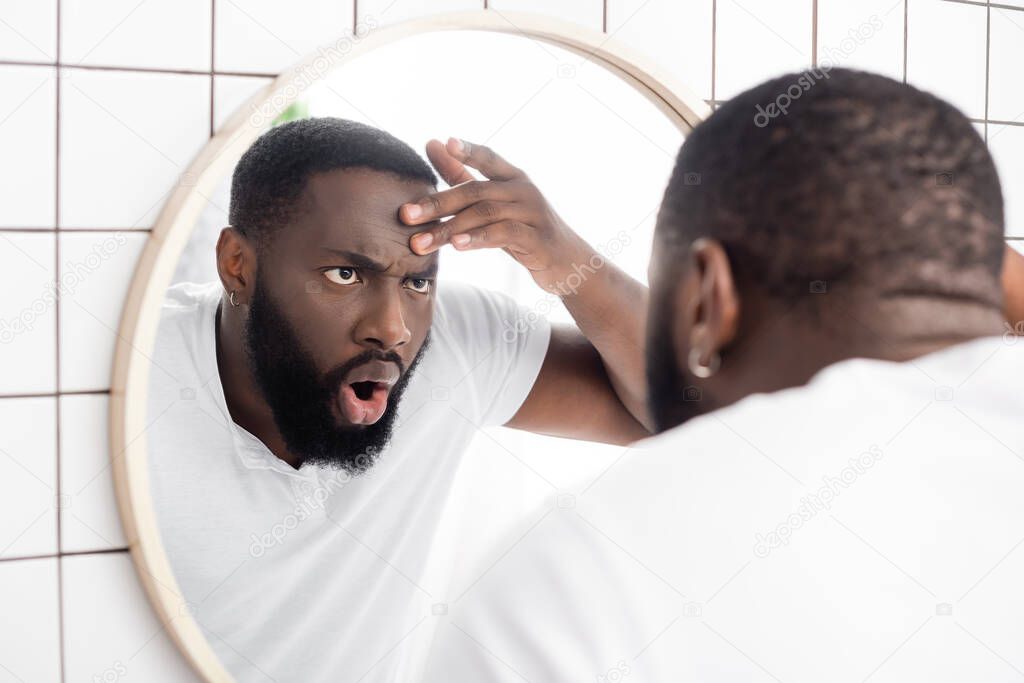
x=345, y=276
x=418, y=284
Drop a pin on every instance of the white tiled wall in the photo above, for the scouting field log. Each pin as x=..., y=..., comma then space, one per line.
x=91, y=152
x=28, y=326
x=95, y=271
x=953, y=69
x=28, y=111
x=126, y=139
x=168, y=34
x=763, y=43
x=265, y=36
x=28, y=477
x=30, y=629
x=876, y=41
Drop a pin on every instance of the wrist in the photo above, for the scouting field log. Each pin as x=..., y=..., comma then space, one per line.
x=577, y=264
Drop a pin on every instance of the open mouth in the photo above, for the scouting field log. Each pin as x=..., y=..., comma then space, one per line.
x=364, y=390
x=364, y=395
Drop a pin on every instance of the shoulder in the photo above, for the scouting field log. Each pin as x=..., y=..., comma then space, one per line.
x=462, y=307
x=490, y=339
x=182, y=297
x=563, y=599
x=186, y=324
x=185, y=303
x=480, y=320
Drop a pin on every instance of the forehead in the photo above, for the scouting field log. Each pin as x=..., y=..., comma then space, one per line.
x=357, y=210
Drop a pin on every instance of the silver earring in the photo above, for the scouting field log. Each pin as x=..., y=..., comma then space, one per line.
x=231, y=298
x=701, y=370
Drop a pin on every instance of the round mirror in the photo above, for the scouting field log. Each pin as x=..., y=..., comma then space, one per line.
x=265, y=569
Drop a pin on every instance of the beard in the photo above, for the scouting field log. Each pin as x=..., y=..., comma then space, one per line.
x=673, y=396
x=300, y=396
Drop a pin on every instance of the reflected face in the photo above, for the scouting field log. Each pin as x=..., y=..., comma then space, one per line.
x=340, y=317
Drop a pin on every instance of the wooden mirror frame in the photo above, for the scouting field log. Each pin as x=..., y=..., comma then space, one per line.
x=141, y=314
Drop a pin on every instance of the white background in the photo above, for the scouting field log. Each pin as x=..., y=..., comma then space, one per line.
x=102, y=107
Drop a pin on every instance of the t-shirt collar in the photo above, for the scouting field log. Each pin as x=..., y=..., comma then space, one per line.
x=251, y=452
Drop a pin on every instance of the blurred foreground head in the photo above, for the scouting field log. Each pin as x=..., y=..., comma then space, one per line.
x=817, y=217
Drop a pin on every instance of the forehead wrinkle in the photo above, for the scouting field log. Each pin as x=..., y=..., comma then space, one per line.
x=374, y=250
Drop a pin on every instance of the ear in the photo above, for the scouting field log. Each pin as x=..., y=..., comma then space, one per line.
x=236, y=261
x=1013, y=288
x=707, y=306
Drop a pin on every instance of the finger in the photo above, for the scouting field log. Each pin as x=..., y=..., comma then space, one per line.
x=450, y=202
x=483, y=159
x=495, y=235
x=448, y=167
x=474, y=217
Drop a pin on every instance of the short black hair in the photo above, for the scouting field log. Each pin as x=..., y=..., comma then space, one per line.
x=841, y=179
x=271, y=176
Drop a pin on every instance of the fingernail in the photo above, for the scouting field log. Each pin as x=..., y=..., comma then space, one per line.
x=460, y=240
x=422, y=240
x=459, y=146
x=413, y=211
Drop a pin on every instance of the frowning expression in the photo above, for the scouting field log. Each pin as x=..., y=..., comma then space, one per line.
x=341, y=313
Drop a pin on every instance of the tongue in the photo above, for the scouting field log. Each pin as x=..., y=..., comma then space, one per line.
x=359, y=411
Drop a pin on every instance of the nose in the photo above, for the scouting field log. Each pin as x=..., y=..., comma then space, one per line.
x=383, y=323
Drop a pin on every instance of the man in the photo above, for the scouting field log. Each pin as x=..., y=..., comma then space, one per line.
x=844, y=499
x=308, y=412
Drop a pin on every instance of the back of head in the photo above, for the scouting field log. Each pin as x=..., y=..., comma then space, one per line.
x=817, y=217
x=846, y=180
x=269, y=179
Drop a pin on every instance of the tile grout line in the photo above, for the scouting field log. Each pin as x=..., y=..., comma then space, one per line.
x=62, y=665
x=988, y=60
x=814, y=33
x=714, y=50
x=714, y=103
x=213, y=52
x=139, y=69
x=54, y=394
x=986, y=3
x=906, y=13
x=44, y=231
x=70, y=553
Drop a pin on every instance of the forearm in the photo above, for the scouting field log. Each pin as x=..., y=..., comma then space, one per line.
x=508, y=211
x=609, y=308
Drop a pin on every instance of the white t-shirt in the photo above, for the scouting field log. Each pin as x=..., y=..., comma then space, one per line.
x=310, y=575
x=866, y=526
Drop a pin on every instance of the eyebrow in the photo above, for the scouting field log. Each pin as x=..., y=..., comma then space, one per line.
x=367, y=263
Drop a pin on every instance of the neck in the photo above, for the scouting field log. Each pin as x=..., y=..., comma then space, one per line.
x=244, y=399
x=784, y=349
